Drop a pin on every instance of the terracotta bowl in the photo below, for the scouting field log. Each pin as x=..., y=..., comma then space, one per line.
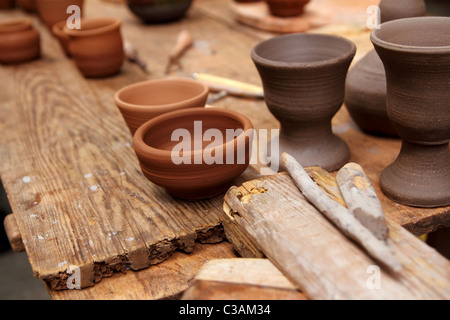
x=97, y=48
x=159, y=11
x=28, y=5
x=196, y=178
x=145, y=100
x=286, y=8
x=54, y=11
x=19, y=41
x=64, y=39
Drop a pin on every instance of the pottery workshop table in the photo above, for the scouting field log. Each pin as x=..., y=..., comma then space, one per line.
x=73, y=180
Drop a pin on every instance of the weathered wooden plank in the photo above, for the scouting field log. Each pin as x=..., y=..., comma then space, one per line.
x=319, y=259
x=13, y=233
x=166, y=280
x=241, y=279
x=78, y=194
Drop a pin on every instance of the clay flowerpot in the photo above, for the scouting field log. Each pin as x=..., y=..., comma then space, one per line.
x=400, y=9
x=416, y=56
x=7, y=4
x=28, y=5
x=64, y=39
x=303, y=77
x=157, y=147
x=97, y=48
x=19, y=41
x=286, y=8
x=365, y=91
x=159, y=11
x=54, y=11
x=145, y=100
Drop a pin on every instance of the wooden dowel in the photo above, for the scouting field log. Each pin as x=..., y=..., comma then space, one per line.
x=340, y=216
x=361, y=199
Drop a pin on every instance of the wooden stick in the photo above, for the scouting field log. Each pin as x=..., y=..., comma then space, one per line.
x=13, y=233
x=184, y=41
x=361, y=199
x=340, y=216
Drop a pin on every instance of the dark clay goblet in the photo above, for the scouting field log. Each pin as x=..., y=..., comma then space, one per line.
x=303, y=77
x=416, y=57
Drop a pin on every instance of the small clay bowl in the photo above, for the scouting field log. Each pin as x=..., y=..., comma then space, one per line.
x=19, y=41
x=286, y=8
x=28, y=5
x=54, y=11
x=145, y=100
x=6, y=4
x=64, y=39
x=198, y=180
x=159, y=11
x=97, y=48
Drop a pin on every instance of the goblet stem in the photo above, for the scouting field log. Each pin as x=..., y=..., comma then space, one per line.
x=420, y=176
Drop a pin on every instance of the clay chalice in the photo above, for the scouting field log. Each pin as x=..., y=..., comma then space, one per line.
x=303, y=77
x=416, y=56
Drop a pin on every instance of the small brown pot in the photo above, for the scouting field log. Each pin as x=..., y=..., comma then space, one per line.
x=97, y=48
x=7, y=4
x=64, y=39
x=286, y=8
x=28, y=5
x=19, y=41
x=145, y=100
x=155, y=149
x=54, y=11
x=159, y=11
x=416, y=56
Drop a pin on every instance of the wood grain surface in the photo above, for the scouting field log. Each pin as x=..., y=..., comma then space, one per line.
x=319, y=259
x=166, y=280
x=241, y=279
x=67, y=164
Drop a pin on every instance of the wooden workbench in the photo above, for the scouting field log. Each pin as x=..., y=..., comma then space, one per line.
x=73, y=180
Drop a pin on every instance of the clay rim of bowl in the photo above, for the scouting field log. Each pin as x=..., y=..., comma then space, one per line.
x=158, y=107
x=150, y=152
x=428, y=25
x=15, y=25
x=345, y=55
x=93, y=26
x=58, y=29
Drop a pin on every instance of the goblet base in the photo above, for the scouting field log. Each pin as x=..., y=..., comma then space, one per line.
x=419, y=177
x=330, y=152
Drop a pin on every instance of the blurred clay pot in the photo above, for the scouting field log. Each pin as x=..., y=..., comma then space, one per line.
x=365, y=92
x=54, y=11
x=7, y=4
x=159, y=11
x=19, y=41
x=303, y=77
x=97, y=48
x=197, y=177
x=416, y=57
x=64, y=39
x=365, y=96
x=28, y=5
x=400, y=9
x=286, y=8
x=145, y=100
